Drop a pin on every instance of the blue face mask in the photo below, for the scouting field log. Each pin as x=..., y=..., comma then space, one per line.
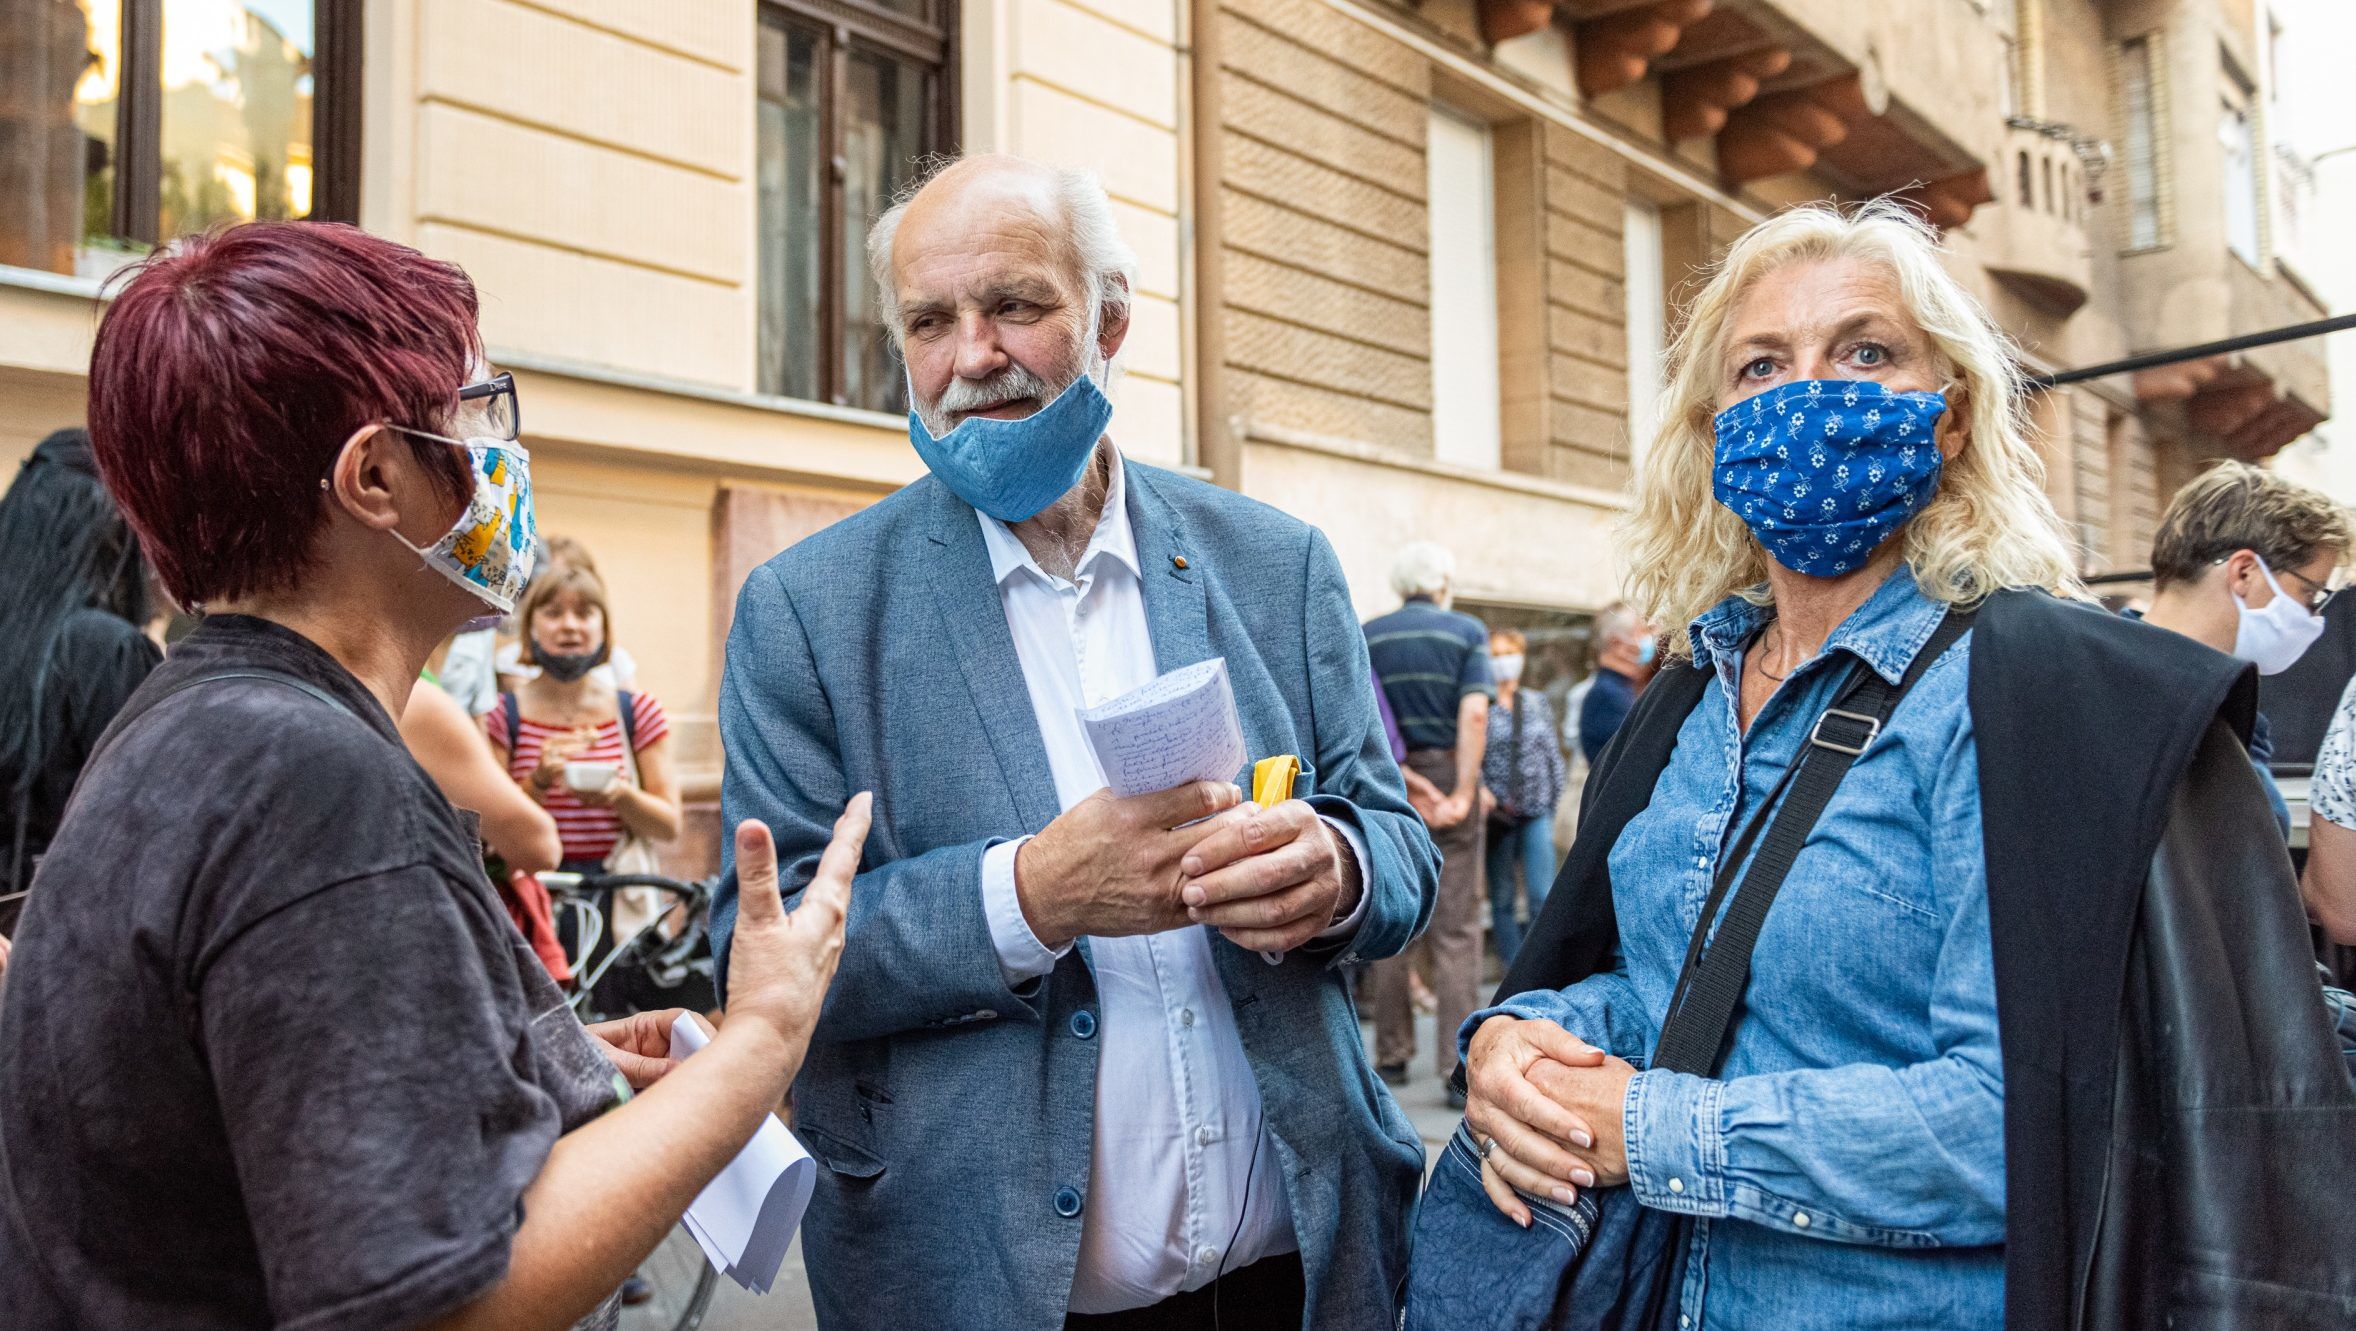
x=1013, y=469
x=1645, y=651
x=1824, y=470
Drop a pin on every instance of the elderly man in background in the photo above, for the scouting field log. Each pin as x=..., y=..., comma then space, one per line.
x=1624, y=661
x=1434, y=668
x=1091, y=1062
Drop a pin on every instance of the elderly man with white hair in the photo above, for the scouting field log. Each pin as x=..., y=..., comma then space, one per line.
x=1091, y=1061
x=1434, y=667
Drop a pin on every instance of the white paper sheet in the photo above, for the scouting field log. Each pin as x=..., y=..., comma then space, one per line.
x=745, y=1219
x=1181, y=727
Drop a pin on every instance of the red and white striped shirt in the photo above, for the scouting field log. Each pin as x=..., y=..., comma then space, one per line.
x=587, y=833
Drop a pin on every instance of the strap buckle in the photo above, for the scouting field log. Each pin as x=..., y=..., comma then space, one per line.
x=1855, y=748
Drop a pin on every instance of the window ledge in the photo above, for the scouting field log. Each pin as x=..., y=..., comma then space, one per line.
x=55, y=284
x=1261, y=432
x=657, y=383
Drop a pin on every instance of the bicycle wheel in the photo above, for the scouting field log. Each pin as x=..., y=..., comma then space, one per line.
x=682, y=1281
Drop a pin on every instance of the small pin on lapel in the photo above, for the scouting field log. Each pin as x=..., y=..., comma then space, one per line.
x=1178, y=560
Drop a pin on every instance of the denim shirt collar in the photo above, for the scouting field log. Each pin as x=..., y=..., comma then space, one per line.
x=1885, y=632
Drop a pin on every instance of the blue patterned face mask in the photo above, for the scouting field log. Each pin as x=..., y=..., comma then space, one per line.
x=1825, y=470
x=1012, y=469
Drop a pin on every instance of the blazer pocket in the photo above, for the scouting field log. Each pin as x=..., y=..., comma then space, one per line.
x=840, y=1157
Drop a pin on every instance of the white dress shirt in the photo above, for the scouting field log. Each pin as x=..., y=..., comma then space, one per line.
x=1177, y=1110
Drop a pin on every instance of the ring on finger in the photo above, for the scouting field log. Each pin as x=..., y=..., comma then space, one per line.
x=1488, y=1144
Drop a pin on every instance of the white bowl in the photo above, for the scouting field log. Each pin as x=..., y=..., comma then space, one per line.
x=590, y=777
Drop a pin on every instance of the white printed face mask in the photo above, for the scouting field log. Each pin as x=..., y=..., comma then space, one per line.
x=1506, y=669
x=490, y=550
x=2273, y=639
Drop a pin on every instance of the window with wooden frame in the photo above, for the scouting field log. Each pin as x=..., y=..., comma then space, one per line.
x=126, y=123
x=853, y=95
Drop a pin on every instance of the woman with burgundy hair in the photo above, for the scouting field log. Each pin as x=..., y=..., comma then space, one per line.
x=271, y=1052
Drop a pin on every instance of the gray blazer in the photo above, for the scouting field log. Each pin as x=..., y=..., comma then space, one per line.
x=947, y=1110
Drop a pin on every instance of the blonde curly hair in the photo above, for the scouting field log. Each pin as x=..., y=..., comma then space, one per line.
x=1988, y=527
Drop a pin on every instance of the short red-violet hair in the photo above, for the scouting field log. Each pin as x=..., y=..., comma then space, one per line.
x=232, y=367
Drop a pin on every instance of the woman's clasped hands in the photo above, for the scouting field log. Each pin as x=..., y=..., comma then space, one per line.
x=1545, y=1108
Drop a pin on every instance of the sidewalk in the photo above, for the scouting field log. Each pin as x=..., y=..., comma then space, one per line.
x=787, y=1308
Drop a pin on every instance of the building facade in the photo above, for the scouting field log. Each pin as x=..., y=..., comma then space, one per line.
x=1408, y=269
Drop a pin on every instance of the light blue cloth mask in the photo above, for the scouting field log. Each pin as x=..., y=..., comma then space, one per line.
x=1013, y=469
x=1825, y=470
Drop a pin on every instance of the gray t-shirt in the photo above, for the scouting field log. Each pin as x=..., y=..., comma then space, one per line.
x=271, y=1053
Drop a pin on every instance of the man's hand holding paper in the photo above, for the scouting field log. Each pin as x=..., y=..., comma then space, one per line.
x=1108, y=866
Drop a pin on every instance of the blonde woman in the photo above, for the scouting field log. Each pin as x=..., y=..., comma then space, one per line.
x=1843, y=530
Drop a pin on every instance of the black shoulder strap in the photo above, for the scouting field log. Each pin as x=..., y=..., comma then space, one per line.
x=628, y=702
x=129, y=718
x=512, y=708
x=1716, y=971
x=131, y=715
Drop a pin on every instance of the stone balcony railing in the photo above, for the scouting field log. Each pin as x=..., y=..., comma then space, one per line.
x=2033, y=235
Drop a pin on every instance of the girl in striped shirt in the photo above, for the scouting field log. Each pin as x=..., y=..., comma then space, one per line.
x=566, y=717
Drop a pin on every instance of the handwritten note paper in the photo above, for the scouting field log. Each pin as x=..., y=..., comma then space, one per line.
x=745, y=1219
x=1181, y=727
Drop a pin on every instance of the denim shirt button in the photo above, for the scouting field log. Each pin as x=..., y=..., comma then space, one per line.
x=1084, y=1023
x=1676, y=1185
x=1067, y=1203
x=1800, y=1219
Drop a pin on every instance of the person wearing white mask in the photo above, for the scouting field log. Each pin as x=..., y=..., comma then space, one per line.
x=1522, y=775
x=2243, y=562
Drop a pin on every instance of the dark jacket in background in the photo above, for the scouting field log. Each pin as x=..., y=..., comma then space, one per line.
x=1604, y=710
x=98, y=660
x=2179, y=1128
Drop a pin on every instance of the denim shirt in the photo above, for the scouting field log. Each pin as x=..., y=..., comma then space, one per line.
x=1847, y=1169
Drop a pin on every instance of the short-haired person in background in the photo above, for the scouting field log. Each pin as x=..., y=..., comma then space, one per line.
x=271, y=1053
x=1625, y=648
x=73, y=601
x=2243, y=562
x=1433, y=665
x=2026, y=1015
x=1521, y=781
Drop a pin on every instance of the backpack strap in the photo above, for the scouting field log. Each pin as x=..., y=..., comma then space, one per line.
x=1716, y=971
x=512, y=708
x=628, y=702
x=131, y=716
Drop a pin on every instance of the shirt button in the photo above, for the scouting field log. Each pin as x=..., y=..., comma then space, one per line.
x=1204, y=1136
x=1800, y=1219
x=986, y=1014
x=1186, y=1016
x=1208, y=1255
x=1084, y=1023
x=1676, y=1185
x=1683, y=1320
x=1067, y=1203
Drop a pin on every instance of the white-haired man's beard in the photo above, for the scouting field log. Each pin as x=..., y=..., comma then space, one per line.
x=1013, y=384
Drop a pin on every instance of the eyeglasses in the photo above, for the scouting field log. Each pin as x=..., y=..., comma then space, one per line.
x=502, y=418
x=2318, y=594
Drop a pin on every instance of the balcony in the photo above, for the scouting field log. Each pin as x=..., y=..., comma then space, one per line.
x=2034, y=236
x=1869, y=96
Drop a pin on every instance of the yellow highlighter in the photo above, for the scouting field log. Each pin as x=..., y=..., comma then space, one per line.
x=1272, y=784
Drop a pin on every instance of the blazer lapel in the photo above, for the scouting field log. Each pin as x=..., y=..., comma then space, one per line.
x=973, y=617
x=1172, y=571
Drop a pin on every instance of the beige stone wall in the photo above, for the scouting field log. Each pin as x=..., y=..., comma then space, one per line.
x=1326, y=317
x=1586, y=313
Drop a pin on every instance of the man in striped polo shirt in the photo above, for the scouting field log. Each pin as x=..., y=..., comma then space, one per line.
x=1434, y=668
